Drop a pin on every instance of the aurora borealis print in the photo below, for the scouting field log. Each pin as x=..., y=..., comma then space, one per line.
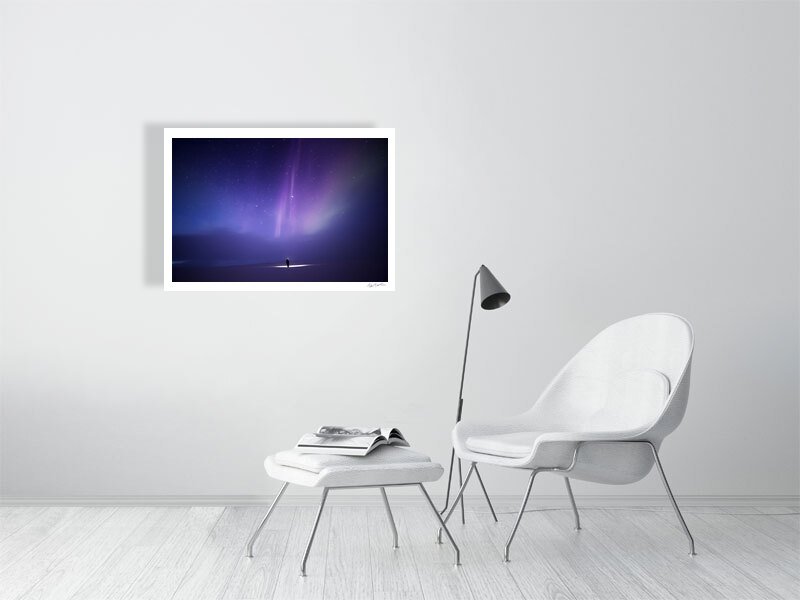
x=280, y=209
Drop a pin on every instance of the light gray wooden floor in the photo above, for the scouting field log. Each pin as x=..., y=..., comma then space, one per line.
x=197, y=552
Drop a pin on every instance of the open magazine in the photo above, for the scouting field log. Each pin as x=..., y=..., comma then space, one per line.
x=349, y=441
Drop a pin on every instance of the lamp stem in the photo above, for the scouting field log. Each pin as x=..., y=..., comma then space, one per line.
x=460, y=392
x=466, y=347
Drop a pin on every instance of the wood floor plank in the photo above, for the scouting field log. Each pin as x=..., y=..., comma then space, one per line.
x=348, y=568
x=16, y=517
x=781, y=511
x=586, y=553
x=605, y=551
x=255, y=578
x=711, y=569
x=439, y=579
x=290, y=585
x=788, y=517
x=161, y=577
x=659, y=552
x=105, y=553
x=39, y=560
x=531, y=564
x=114, y=577
x=764, y=524
x=394, y=572
x=208, y=576
x=775, y=567
x=33, y=533
x=487, y=576
x=67, y=576
x=587, y=562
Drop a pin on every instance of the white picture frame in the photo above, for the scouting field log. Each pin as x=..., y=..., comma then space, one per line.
x=283, y=134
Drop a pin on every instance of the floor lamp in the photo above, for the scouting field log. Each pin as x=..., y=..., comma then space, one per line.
x=493, y=295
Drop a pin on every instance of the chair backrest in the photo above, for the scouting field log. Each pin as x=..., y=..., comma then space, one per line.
x=634, y=375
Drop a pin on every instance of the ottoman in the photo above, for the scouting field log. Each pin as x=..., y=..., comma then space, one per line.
x=386, y=466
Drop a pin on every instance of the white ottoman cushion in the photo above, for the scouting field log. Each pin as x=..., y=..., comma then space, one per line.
x=385, y=465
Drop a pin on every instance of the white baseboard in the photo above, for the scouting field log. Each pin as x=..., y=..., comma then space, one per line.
x=367, y=498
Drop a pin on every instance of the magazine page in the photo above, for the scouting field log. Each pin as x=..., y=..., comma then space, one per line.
x=356, y=442
x=338, y=430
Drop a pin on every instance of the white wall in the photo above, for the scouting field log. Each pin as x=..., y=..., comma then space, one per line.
x=603, y=159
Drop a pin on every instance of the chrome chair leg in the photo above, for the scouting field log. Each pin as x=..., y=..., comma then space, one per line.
x=257, y=532
x=461, y=482
x=519, y=516
x=455, y=502
x=485, y=495
x=442, y=523
x=313, y=531
x=391, y=518
x=672, y=499
x=574, y=507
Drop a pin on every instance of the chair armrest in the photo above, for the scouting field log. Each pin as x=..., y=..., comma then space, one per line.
x=560, y=450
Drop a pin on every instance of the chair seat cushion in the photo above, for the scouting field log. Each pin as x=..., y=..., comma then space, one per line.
x=386, y=465
x=509, y=445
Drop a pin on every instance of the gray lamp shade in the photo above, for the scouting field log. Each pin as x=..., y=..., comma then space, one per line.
x=493, y=294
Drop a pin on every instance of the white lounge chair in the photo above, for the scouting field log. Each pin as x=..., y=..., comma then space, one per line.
x=601, y=419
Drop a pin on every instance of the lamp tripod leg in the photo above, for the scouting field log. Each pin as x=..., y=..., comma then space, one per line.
x=442, y=525
x=455, y=502
x=449, y=482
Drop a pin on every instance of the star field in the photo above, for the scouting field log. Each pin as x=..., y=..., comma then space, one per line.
x=243, y=202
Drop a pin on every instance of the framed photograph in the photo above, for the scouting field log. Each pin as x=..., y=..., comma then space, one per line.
x=279, y=209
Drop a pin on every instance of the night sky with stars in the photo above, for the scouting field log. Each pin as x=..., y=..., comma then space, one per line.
x=242, y=207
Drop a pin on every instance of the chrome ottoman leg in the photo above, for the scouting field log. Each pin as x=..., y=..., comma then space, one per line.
x=257, y=532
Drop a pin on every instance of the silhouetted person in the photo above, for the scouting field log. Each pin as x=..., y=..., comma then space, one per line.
x=287, y=263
